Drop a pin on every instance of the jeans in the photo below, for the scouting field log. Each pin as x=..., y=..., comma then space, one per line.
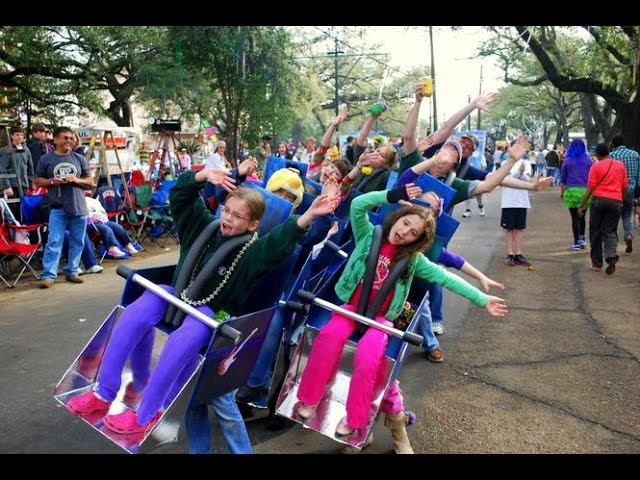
x=627, y=214
x=88, y=257
x=261, y=373
x=229, y=420
x=436, y=296
x=59, y=221
x=424, y=329
x=424, y=316
x=112, y=234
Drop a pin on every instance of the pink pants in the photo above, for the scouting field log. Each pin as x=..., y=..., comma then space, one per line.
x=369, y=372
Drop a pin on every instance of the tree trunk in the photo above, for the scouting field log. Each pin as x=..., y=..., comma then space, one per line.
x=591, y=130
x=296, y=131
x=629, y=119
x=120, y=112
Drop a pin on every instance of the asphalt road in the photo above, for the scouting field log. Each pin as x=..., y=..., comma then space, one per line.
x=42, y=331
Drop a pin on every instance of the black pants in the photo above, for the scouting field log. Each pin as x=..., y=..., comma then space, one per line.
x=603, y=228
x=578, y=224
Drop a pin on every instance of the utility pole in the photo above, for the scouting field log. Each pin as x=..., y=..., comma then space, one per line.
x=435, y=86
x=336, y=97
x=469, y=116
x=335, y=53
x=479, y=125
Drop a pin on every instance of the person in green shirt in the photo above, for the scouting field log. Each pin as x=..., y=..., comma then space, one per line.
x=407, y=233
x=223, y=287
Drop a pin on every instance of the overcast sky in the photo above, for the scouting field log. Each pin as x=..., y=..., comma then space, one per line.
x=457, y=75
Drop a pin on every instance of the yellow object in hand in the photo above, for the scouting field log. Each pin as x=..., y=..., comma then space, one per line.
x=366, y=170
x=427, y=87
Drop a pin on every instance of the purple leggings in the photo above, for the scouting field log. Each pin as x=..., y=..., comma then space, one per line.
x=133, y=336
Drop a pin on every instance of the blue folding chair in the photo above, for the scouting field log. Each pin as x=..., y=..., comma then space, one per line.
x=276, y=163
x=428, y=183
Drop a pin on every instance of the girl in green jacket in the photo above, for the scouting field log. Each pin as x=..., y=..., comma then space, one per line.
x=406, y=233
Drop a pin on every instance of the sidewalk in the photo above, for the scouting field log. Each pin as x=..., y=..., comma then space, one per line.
x=559, y=374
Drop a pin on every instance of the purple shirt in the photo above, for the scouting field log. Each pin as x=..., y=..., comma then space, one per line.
x=450, y=259
x=575, y=171
x=408, y=176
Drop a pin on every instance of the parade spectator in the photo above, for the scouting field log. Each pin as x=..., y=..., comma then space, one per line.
x=553, y=164
x=514, y=204
x=469, y=144
x=185, y=159
x=309, y=150
x=77, y=145
x=38, y=144
x=16, y=158
x=66, y=175
x=281, y=150
x=631, y=161
x=573, y=185
x=607, y=184
x=112, y=234
x=217, y=158
x=262, y=152
x=349, y=150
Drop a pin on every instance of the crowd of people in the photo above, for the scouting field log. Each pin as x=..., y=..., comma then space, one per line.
x=604, y=181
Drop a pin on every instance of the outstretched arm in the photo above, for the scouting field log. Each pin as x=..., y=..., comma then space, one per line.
x=481, y=102
x=499, y=177
x=361, y=139
x=335, y=121
x=322, y=205
x=485, y=281
x=496, y=306
x=409, y=137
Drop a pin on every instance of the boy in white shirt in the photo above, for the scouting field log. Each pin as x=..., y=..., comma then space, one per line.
x=515, y=203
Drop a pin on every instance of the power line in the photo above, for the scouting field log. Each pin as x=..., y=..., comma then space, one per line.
x=330, y=35
x=335, y=53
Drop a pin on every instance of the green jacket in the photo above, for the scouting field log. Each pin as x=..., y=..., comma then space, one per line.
x=419, y=265
x=191, y=216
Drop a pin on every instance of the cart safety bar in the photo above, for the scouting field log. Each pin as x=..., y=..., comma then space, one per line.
x=409, y=337
x=336, y=248
x=225, y=330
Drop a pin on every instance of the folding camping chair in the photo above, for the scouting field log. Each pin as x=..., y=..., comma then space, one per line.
x=15, y=243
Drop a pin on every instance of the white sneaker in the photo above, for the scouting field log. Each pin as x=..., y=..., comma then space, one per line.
x=94, y=269
x=482, y=211
x=130, y=249
x=115, y=252
x=466, y=214
x=437, y=328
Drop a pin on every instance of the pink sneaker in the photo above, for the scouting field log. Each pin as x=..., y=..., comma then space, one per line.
x=131, y=250
x=115, y=252
x=127, y=422
x=86, y=403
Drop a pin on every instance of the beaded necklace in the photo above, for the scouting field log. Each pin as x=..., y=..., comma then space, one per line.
x=204, y=301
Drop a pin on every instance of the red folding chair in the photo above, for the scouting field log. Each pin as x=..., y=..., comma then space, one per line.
x=11, y=248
